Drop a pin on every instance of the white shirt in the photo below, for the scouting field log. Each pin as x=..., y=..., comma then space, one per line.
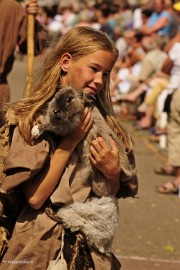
x=174, y=55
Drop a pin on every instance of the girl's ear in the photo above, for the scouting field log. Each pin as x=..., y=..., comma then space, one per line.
x=65, y=61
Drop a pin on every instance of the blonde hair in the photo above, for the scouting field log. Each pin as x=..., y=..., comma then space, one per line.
x=79, y=41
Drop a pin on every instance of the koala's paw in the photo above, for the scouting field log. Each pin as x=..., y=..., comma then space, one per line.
x=35, y=132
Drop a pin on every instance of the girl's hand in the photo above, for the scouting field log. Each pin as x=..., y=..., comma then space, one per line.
x=106, y=160
x=78, y=133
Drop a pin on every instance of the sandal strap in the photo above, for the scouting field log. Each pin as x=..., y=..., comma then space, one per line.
x=169, y=190
x=175, y=185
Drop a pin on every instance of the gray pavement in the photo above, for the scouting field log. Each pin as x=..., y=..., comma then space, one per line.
x=149, y=231
x=148, y=234
x=135, y=263
x=148, y=237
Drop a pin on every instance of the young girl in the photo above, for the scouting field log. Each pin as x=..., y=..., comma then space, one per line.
x=82, y=58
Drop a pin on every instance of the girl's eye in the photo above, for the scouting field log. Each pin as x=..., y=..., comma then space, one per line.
x=94, y=69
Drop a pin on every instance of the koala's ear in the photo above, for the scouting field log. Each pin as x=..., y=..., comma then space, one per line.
x=65, y=61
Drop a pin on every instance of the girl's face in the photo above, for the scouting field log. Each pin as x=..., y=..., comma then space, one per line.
x=89, y=72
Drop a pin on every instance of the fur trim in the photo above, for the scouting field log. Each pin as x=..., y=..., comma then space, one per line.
x=97, y=219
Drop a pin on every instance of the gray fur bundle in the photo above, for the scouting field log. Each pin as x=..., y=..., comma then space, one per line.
x=96, y=218
x=63, y=115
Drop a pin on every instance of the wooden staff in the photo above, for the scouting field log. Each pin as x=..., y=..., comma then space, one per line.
x=30, y=52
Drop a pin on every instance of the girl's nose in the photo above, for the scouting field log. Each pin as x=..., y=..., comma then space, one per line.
x=99, y=78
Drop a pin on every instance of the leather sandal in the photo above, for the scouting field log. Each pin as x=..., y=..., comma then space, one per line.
x=168, y=188
x=164, y=171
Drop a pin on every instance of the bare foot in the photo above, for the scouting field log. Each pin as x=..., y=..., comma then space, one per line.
x=145, y=122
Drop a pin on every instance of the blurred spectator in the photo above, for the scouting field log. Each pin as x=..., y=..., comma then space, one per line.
x=173, y=134
x=45, y=15
x=105, y=16
x=67, y=10
x=151, y=64
x=120, y=41
x=173, y=166
x=137, y=21
x=51, y=21
x=149, y=105
x=163, y=87
x=130, y=70
x=160, y=21
x=173, y=187
x=13, y=32
x=125, y=15
x=175, y=19
x=146, y=14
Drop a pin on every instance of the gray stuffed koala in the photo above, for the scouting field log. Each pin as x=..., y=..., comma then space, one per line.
x=63, y=115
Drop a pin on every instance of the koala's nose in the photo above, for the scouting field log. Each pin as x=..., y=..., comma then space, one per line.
x=55, y=112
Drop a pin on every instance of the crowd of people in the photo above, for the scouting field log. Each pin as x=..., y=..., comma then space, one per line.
x=56, y=215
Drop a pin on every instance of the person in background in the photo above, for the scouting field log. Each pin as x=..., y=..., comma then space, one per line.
x=165, y=82
x=13, y=32
x=160, y=20
x=173, y=166
x=151, y=64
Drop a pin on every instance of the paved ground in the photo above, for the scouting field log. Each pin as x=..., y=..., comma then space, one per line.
x=141, y=263
x=148, y=237
x=149, y=230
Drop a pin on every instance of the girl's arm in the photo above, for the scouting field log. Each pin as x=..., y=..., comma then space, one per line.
x=106, y=160
x=39, y=189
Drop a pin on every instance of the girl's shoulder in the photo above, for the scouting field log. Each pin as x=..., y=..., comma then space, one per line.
x=23, y=155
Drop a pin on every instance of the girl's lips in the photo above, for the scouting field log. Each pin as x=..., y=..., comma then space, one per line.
x=92, y=90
